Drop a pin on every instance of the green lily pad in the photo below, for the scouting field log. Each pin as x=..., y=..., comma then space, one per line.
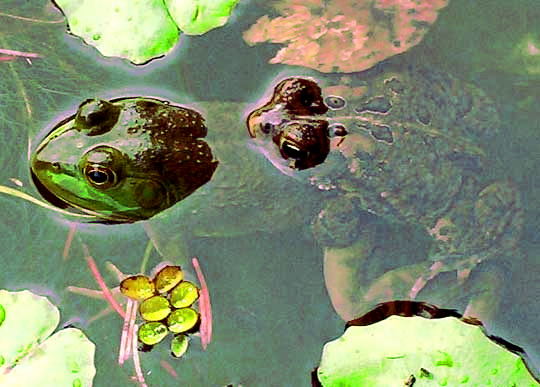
x=141, y=30
x=138, y=30
x=425, y=352
x=196, y=17
x=29, y=357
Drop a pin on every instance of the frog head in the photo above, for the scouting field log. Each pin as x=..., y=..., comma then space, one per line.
x=123, y=160
x=290, y=129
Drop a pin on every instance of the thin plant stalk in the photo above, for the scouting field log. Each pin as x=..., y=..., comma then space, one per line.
x=99, y=279
x=206, y=310
x=124, y=338
x=136, y=360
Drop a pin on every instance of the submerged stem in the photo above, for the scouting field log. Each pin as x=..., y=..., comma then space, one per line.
x=31, y=199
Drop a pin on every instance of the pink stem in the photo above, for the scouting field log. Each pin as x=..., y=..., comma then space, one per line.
x=99, y=279
x=123, y=339
x=131, y=328
x=206, y=310
x=167, y=367
x=72, y=229
x=136, y=360
x=19, y=53
x=33, y=20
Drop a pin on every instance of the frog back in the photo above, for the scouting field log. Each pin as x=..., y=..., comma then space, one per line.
x=412, y=137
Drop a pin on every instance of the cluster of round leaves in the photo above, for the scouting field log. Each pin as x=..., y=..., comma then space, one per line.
x=165, y=306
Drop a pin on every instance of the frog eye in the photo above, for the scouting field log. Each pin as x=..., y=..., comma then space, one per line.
x=95, y=117
x=102, y=167
x=292, y=151
x=100, y=177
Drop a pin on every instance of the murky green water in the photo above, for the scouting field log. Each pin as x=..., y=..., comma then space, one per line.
x=271, y=310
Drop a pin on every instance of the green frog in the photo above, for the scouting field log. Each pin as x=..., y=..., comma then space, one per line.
x=405, y=145
x=123, y=160
x=132, y=159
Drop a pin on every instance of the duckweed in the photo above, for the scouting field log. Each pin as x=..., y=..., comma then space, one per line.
x=184, y=295
x=182, y=320
x=155, y=308
x=138, y=287
x=153, y=332
x=167, y=278
x=179, y=345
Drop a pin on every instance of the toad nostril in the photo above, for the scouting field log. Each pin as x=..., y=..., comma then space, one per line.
x=267, y=127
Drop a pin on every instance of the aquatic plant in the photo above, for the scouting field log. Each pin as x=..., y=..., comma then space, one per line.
x=30, y=355
x=135, y=291
x=344, y=35
x=142, y=30
x=416, y=344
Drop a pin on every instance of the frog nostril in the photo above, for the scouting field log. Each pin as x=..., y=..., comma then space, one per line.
x=56, y=165
x=267, y=127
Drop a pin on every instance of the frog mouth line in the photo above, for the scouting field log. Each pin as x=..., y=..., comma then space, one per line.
x=64, y=205
x=47, y=194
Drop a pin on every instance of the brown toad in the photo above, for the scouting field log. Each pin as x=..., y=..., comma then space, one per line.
x=403, y=145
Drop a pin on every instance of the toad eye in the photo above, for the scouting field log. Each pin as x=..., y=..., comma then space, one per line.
x=100, y=177
x=293, y=151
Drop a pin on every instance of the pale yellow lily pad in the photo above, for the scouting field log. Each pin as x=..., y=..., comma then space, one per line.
x=29, y=357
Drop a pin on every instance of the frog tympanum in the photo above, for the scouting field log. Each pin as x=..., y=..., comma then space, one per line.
x=123, y=160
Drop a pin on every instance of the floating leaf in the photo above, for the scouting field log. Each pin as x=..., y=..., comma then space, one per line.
x=29, y=357
x=182, y=320
x=138, y=287
x=167, y=278
x=184, y=295
x=153, y=332
x=142, y=30
x=195, y=17
x=430, y=352
x=155, y=308
x=138, y=30
x=179, y=345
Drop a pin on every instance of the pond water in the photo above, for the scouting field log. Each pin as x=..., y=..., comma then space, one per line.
x=271, y=309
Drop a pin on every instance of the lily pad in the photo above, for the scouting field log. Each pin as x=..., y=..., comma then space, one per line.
x=141, y=30
x=196, y=17
x=138, y=30
x=424, y=352
x=29, y=357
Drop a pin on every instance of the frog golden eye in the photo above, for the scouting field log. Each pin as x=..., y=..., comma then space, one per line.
x=102, y=167
x=100, y=177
